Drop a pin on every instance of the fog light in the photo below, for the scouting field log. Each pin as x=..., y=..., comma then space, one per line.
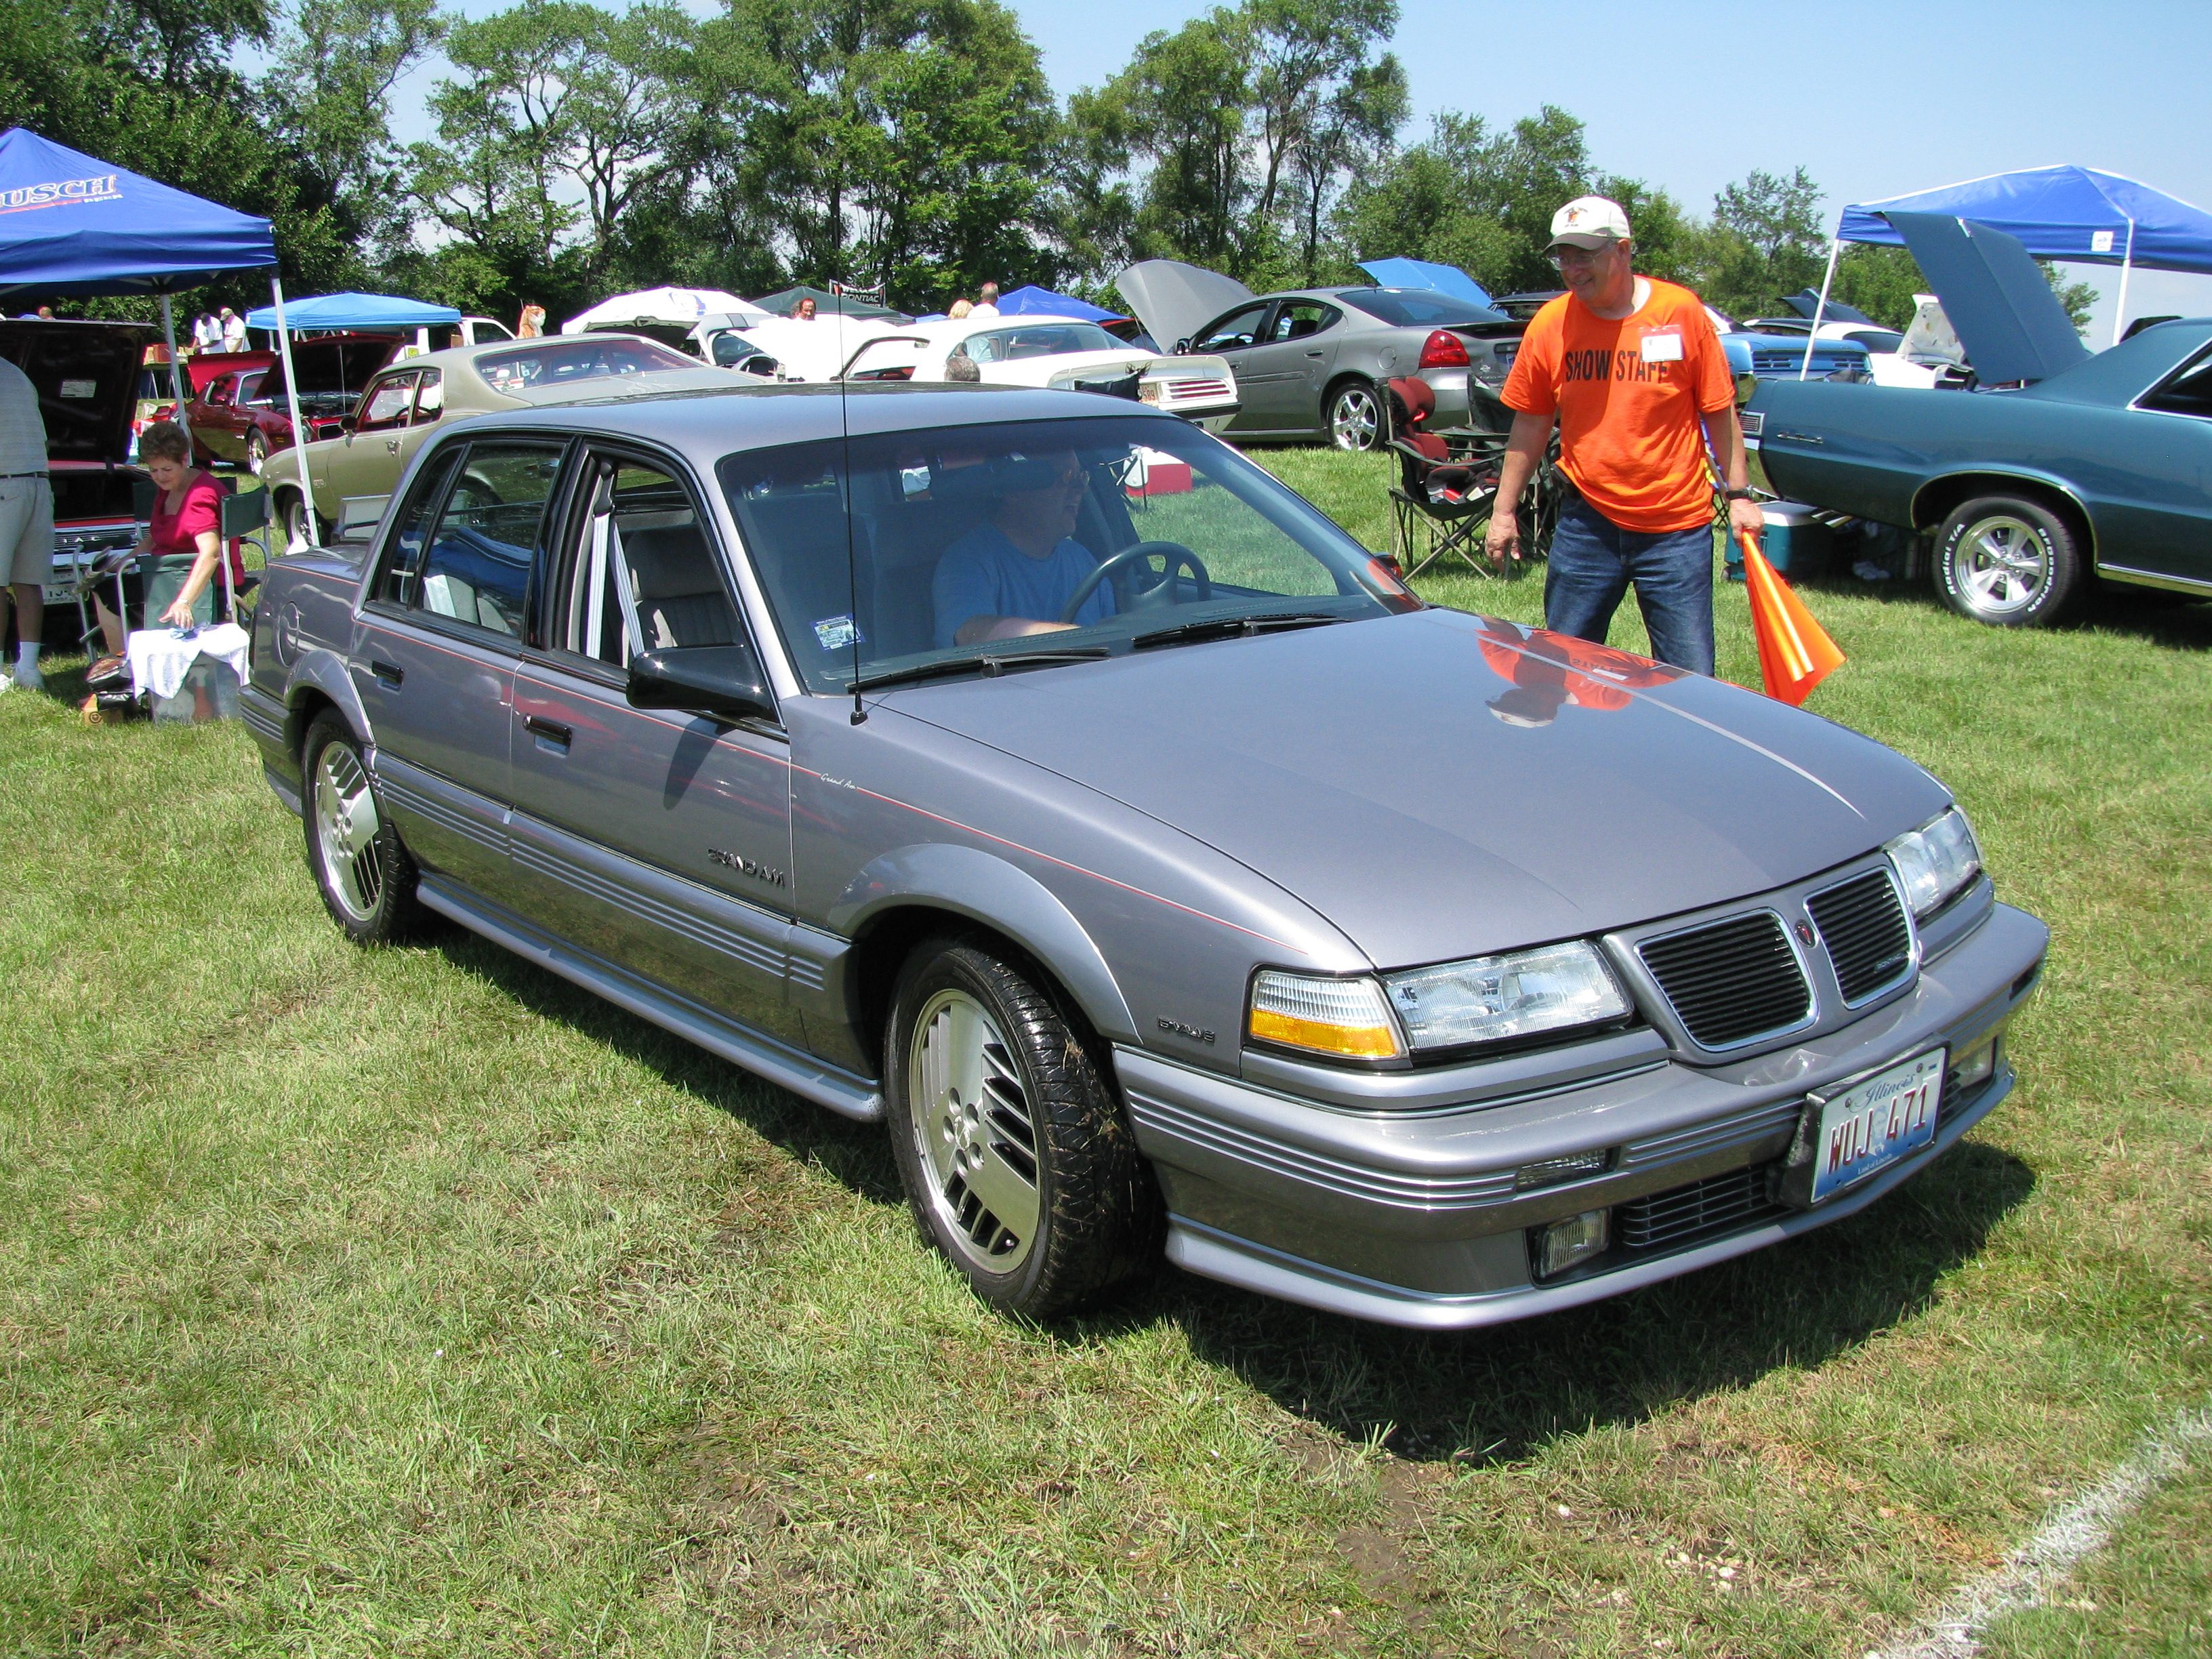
x=1551, y=1171
x=1973, y=1066
x=1569, y=1244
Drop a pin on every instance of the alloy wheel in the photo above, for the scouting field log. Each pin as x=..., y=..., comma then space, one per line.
x=2001, y=564
x=976, y=1133
x=346, y=826
x=1355, y=418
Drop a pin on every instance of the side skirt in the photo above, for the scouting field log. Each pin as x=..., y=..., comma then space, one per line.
x=805, y=1076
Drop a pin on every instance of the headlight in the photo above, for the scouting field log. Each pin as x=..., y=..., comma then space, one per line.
x=1520, y=995
x=1935, y=861
x=1341, y=1016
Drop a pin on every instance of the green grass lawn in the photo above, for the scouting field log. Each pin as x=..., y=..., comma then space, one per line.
x=411, y=1301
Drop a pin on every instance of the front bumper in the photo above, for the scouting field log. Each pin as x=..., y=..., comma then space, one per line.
x=1413, y=1218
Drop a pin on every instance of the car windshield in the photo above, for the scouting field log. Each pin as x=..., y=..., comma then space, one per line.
x=984, y=542
x=582, y=357
x=1008, y=346
x=1419, y=307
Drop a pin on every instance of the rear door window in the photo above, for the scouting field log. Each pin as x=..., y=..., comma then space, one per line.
x=476, y=564
x=1296, y=318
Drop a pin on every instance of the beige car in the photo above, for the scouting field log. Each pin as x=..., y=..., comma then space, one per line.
x=354, y=475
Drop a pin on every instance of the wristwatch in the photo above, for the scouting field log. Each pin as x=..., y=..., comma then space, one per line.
x=1739, y=495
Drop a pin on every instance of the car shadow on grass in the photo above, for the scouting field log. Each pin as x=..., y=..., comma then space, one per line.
x=1485, y=1396
x=1498, y=1395
x=855, y=1154
x=2175, y=621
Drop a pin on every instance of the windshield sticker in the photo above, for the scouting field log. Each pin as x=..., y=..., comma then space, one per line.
x=838, y=633
x=80, y=388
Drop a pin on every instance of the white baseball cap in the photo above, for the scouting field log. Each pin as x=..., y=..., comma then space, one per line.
x=1590, y=221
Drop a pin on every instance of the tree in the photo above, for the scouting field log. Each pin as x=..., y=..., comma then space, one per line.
x=1765, y=239
x=329, y=87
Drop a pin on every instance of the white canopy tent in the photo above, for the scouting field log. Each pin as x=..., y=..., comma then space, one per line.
x=681, y=307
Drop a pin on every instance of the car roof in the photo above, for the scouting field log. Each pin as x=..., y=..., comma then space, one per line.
x=711, y=422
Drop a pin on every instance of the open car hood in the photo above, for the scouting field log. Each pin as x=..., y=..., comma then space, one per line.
x=87, y=375
x=338, y=367
x=1174, y=301
x=1440, y=785
x=1995, y=296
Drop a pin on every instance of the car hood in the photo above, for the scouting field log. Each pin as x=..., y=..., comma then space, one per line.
x=1174, y=301
x=1440, y=785
x=1998, y=301
x=87, y=378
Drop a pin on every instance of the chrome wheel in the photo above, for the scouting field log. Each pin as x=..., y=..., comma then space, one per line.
x=346, y=828
x=2001, y=564
x=257, y=453
x=974, y=1133
x=1355, y=418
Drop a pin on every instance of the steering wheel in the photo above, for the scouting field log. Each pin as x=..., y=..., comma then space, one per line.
x=1179, y=559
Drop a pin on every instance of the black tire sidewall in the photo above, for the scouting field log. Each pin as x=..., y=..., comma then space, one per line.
x=2058, y=550
x=396, y=913
x=1069, y=1263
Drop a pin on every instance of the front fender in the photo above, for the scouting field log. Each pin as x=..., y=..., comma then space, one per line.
x=988, y=890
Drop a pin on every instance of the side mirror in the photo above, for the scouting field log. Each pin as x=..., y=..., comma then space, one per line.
x=345, y=423
x=1746, y=383
x=721, y=682
x=1180, y=346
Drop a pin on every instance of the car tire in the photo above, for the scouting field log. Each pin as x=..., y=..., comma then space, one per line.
x=257, y=453
x=1031, y=1184
x=1354, y=419
x=292, y=511
x=360, y=867
x=2008, y=561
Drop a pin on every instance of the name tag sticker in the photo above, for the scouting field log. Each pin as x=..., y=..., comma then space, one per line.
x=1662, y=345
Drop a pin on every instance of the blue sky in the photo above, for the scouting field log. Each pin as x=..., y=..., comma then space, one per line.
x=1877, y=98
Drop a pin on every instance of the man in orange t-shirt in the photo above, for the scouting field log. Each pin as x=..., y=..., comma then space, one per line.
x=1630, y=369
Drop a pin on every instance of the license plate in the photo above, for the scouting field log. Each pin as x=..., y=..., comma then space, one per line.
x=1875, y=1122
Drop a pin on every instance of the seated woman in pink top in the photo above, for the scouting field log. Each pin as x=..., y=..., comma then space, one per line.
x=182, y=549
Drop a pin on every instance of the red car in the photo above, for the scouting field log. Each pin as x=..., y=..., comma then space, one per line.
x=240, y=413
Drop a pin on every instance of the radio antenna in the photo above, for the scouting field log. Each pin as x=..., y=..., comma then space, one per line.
x=845, y=491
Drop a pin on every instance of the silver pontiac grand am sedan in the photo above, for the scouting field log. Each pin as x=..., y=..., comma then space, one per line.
x=1031, y=771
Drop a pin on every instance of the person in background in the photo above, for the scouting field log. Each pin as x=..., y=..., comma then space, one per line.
x=961, y=368
x=27, y=522
x=1630, y=369
x=960, y=308
x=531, y=326
x=986, y=301
x=207, y=332
x=804, y=311
x=233, y=331
x=182, y=549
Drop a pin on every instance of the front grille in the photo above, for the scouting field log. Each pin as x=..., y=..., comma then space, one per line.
x=1704, y=1209
x=1731, y=981
x=1868, y=939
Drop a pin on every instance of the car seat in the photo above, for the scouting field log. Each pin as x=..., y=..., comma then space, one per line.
x=681, y=601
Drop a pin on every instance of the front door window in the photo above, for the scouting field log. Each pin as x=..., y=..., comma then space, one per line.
x=386, y=404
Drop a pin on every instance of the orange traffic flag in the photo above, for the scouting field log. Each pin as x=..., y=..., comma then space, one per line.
x=1795, y=652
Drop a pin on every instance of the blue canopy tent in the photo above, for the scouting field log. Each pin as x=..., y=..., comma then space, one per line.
x=1034, y=302
x=351, y=311
x=71, y=226
x=1421, y=273
x=2081, y=214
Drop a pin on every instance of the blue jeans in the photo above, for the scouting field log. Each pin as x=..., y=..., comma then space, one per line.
x=1592, y=562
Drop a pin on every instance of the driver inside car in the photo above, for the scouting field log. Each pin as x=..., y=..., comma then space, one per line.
x=1015, y=574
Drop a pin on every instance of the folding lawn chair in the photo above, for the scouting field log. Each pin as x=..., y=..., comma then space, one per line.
x=1442, y=500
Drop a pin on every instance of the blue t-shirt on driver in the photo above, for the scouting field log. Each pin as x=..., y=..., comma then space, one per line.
x=985, y=574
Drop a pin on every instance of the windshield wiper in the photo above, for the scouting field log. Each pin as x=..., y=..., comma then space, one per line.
x=990, y=665
x=1226, y=628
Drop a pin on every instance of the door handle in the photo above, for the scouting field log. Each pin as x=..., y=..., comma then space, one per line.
x=1316, y=354
x=550, y=731
x=391, y=446
x=388, y=675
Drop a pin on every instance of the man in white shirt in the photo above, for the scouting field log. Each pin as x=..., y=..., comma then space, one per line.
x=207, y=332
x=27, y=520
x=987, y=303
x=233, y=331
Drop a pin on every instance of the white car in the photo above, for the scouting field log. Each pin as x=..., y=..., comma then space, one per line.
x=1060, y=352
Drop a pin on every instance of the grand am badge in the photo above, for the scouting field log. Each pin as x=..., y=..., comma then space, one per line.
x=1196, y=1033
x=746, y=866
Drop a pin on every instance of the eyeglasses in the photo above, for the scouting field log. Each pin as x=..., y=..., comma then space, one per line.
x=1570, y=255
